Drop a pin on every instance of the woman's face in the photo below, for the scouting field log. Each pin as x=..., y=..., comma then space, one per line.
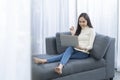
x=82, y=22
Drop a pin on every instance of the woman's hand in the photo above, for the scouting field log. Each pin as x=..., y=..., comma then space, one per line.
x=72, y=30
x=82, y=48
x=78, y=47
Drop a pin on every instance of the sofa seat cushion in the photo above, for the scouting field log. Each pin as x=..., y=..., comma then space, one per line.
x=46, y=71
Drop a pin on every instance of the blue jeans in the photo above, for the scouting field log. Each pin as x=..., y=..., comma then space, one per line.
x=70, y=53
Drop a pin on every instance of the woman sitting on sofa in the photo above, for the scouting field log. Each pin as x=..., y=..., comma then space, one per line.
x=86, y=36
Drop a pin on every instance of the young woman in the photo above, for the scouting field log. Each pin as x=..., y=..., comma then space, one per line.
x=86, y=36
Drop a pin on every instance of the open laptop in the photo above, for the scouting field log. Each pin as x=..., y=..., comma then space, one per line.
x=68, y=40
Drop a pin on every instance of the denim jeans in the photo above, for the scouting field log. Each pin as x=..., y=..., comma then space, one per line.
x=70, y=53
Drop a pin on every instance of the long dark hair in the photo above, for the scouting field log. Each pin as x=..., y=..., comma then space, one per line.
x=84, y=15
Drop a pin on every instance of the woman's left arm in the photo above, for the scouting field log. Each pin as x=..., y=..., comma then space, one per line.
x=91, y=40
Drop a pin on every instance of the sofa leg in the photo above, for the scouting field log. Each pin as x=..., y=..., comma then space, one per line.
x=111, y=78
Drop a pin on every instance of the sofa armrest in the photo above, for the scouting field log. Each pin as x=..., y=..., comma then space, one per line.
x=51, y=45
x=110, y=59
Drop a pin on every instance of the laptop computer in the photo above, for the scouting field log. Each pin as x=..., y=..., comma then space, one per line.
x=69, y=40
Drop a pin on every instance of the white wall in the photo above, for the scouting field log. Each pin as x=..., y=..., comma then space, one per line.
x=72, y=13
x=118, y=55
x=15, y=50
x=49, y=17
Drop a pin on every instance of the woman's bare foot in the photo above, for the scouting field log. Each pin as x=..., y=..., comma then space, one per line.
x=59, y=69
x=38, y=60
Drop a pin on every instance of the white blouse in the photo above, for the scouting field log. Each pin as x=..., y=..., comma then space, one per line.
x=86, y=39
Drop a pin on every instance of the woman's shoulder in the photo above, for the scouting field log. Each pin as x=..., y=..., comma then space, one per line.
x=91, y=29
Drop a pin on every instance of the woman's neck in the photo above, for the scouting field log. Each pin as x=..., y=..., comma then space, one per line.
x=84, y=27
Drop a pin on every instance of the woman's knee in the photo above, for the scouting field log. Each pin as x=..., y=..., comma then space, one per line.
x=70, y=49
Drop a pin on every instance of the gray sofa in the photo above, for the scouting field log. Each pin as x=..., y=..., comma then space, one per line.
x=99, y=66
